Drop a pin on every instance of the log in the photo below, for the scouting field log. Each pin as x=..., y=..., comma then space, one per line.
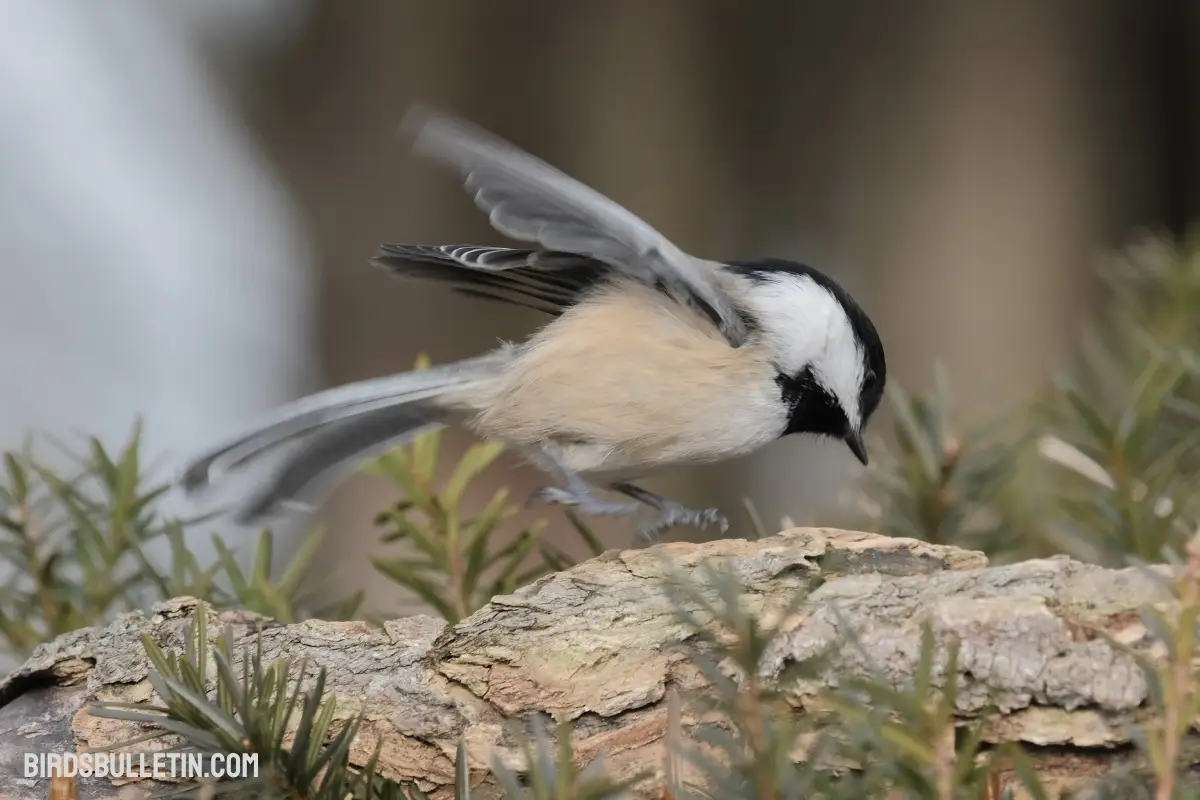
x=596, y=643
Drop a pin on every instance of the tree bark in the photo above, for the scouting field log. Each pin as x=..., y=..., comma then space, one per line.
x=596, y=643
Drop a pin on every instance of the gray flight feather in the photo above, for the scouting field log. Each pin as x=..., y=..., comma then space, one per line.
x=335, y=449
x=323, y=412
x=530, y=201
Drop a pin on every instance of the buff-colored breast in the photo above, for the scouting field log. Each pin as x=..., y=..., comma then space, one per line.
x=628, y=379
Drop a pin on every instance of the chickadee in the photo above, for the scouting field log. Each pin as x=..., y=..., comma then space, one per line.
x=653, y=359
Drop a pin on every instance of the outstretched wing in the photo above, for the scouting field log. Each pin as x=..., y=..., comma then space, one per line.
x=530, y=201
x=541, y=280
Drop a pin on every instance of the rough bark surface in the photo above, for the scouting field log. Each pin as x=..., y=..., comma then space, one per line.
x=597, y=643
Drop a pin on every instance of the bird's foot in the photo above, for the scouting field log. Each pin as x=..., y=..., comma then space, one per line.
x=671, y=514
x=584, y=500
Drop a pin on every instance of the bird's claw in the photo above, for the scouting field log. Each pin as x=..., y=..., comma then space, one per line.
x=668, y=513
x=673, y=514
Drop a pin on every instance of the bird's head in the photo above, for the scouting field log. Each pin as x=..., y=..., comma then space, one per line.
x=829, y=359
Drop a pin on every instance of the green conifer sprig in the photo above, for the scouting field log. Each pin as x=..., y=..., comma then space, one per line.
x=277, y=712
x=549, y=770
x=453, y=561
x=1101, y=466
x=934, y=482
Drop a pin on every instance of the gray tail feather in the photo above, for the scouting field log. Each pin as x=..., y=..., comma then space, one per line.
x=336, y=427
x=321, y=460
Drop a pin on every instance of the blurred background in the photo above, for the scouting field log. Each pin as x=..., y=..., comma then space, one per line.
x=190, y=191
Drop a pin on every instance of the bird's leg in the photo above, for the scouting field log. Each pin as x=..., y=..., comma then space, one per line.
x=670, y=513
x=576, y=492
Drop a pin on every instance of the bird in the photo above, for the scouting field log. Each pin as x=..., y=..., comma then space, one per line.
x=652, y=359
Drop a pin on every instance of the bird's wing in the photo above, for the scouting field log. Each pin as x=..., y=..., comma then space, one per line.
x=541, y=280
x=530, y=201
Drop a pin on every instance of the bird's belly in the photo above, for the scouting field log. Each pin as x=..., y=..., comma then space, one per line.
x=636, y=433
x=626, y=384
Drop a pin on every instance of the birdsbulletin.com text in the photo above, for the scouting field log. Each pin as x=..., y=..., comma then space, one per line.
x=154, y=766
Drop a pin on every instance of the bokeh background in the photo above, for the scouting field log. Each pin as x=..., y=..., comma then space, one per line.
x=190, y=190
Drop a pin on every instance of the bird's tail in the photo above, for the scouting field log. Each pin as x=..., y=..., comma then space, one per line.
x=335, y=429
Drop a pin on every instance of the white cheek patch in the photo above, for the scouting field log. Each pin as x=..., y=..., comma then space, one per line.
x=807, y=327
x=842, y=368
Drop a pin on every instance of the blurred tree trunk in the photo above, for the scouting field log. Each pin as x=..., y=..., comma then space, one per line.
x=1167, y=46
x=963, y=182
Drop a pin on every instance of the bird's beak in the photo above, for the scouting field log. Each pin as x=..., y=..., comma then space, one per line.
x=854, y=441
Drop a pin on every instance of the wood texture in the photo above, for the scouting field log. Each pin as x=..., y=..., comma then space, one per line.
x=597, y=644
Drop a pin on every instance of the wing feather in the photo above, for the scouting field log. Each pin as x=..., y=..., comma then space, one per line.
x=528, y=200
x=544, y=281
